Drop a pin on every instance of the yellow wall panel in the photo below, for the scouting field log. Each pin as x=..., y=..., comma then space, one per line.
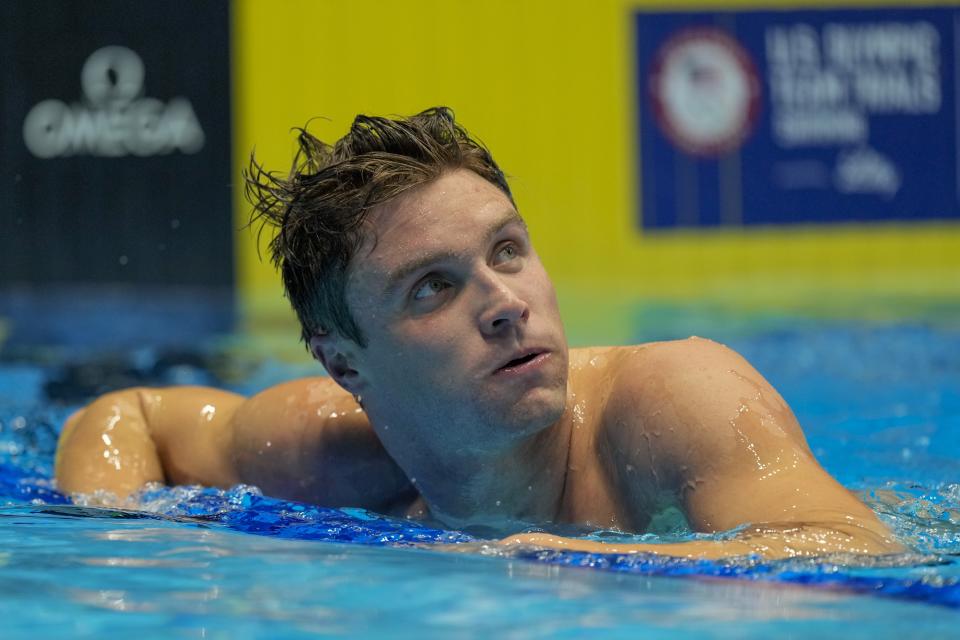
x=549, y=86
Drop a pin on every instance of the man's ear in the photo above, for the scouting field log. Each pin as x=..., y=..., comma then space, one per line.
x=338, y=357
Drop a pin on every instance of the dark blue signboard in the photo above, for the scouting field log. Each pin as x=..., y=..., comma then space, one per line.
x=781, y=117
x=115, y=143
x=116, y=214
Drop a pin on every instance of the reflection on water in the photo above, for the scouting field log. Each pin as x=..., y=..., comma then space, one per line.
x=233, y=579
x=106, y=599
x=138, y=562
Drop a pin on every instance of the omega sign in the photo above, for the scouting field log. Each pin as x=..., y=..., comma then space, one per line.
x=114, y=119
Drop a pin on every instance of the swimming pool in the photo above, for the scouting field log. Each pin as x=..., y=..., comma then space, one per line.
x=880, y=402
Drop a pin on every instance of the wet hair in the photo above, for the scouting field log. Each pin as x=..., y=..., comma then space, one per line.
x=319, y=210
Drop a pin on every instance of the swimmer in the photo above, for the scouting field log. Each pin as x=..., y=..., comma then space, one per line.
x=451, y=391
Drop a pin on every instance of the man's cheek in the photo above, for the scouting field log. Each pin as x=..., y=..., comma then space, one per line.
x=412, y=359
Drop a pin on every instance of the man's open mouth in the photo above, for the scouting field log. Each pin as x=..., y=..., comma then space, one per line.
x=522, y=360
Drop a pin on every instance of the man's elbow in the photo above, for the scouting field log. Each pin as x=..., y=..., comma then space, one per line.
x=107, y=447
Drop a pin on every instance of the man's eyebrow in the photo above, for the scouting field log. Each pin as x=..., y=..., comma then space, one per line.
x=401, y=273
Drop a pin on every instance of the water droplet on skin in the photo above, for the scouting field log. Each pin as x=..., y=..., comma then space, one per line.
x=578, y=413
x=208, y=412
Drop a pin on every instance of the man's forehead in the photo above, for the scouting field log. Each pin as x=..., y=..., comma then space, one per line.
x=458, y=207
x=454, y=198
x=394, y=256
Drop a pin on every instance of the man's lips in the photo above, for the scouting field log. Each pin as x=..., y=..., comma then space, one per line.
x=522, y=361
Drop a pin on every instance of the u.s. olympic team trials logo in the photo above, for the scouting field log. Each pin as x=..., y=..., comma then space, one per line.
x=705, y=91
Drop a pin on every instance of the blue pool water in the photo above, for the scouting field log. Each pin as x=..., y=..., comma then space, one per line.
x=880, y=404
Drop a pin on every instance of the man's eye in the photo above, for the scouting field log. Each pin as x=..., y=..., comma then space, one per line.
x=506, y=253
x=430, y=288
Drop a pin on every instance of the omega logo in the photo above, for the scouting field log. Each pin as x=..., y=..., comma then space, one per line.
x=114, y=119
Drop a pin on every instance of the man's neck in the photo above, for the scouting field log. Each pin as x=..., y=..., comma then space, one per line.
x=523, y=482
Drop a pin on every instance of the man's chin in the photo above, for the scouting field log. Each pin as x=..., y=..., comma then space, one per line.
x=536, y=410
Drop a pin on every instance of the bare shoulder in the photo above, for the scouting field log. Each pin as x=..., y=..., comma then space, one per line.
x=625, y=363
x=279, y=419
x=303, y=399
x=309, y=440
x=712, y=429
x=682, y=358
x=695, y=375
x=685, y=400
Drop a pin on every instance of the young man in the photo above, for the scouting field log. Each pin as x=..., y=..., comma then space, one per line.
x=452, y=391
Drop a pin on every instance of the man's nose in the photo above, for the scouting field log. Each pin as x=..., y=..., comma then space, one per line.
x=504, y=308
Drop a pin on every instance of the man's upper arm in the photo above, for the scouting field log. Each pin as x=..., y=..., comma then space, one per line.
x=214, y=437
x=309, y=440
x=192, y=428
x=302, y=440
x=724, y=441
x=125, y=439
